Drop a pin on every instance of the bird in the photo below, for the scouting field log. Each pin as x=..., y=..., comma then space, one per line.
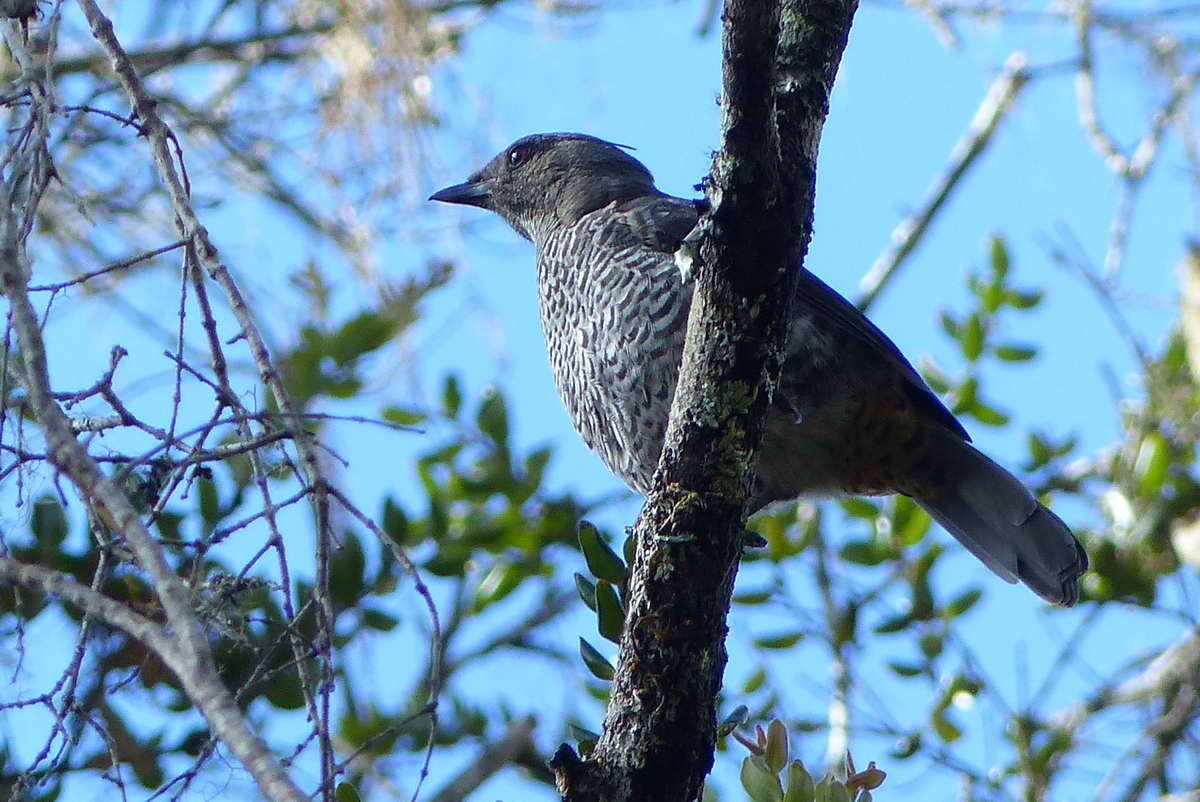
x=849, y=415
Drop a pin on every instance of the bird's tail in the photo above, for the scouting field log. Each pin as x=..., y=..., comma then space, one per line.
x=993, y=514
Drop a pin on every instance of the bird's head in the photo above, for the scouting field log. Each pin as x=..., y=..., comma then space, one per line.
x=543, y=181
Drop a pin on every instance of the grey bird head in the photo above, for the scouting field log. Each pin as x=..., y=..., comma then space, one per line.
x=543, y=181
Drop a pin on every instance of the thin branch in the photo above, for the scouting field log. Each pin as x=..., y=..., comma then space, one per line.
x=173, y=176
x=190, y=657
x=434, y=678
x=266, y=45
x=517, y=739
x=121, y=265
x=95, y=604
x=1176, y=664
x=908, y=234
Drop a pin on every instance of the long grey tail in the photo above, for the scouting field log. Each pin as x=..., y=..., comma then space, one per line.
x=993, y=514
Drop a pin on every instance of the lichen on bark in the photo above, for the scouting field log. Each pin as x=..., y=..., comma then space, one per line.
x=780, y=60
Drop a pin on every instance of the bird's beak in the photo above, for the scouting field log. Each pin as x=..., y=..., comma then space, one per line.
x=472, y=193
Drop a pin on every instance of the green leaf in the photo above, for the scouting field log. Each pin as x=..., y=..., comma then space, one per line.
x=395, y=521
x=1152, y=464
x=362, y=334
x=49, y=523
x=991, y=295
x=950, y=325
x=776, y=753
x=493, y=419
x=963, y=602
x=1175, y=358
x=759, y=781
x=799, y=783
x=946, y=729
x=451, y=397
x=343, y=387
x=1015, y=353
x=753, y=597
x=168, y=525
x=586, y=589
x=905, y=669
x=989, y=416
x=736, y=718
x=379, y=620
x=863, y=552
x=346, y=792
x=845, y=625
x=906, y=747
x=897, y=623
x=284, y=691
x=857, y=507
x=971, y=338
x=915, y=527
x=784, y=641
x=1039, y=451
x=754, y=681
x=404, y=417
x=346, y=569
x=998, y=252
x=931, y=644
x=535, y=465
x=501, y=579
x=934, y=377
x=601, y=560
x=210, y=504
x=1023, y=300
x=595, y=662
x=964, y=683
x=609, y=615
x=965, y=395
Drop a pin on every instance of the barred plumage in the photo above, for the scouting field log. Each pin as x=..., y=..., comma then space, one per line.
x=615, y=315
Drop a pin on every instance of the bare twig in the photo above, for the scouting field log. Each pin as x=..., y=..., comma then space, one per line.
x=907, y=235
x=173, y=177
x=121, y=265
x=1174, y=665
x=434, y=678
x=518, y=738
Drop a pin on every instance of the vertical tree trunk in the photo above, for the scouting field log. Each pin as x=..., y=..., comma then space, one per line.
x=780, y=60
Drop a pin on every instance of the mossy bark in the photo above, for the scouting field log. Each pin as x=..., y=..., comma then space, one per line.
x=780, y=60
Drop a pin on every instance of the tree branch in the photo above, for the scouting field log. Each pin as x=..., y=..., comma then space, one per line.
x=517, y=738
x=907, y=235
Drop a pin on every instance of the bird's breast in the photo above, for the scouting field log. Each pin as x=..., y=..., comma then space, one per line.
x=614, y=320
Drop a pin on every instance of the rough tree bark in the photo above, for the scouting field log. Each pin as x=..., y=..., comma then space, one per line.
x=780, y=60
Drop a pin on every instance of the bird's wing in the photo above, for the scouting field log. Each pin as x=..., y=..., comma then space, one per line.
x=839, y=313
x=661, y=222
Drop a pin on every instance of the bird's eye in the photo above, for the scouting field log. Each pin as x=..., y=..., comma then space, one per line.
x=517, y=156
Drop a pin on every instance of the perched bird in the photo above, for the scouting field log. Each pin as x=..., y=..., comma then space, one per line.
x=849, y=415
